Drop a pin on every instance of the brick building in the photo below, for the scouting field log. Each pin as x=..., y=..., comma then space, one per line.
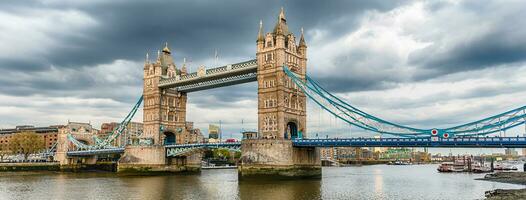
x=48, y=134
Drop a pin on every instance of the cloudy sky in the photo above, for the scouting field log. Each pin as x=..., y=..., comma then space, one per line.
x=421, y=63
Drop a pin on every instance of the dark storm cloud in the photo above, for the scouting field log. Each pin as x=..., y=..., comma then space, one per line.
x=500, y=40
x=78, y=57
x=496, y=48
x=127, y=29
x=194, y=29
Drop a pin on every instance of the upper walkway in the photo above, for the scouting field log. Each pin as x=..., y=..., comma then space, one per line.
x=231, y=74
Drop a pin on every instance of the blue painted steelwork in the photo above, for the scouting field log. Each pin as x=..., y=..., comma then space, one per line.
x=465, y=142
x=359, y=118
x=91, y=152
x=436, y=142
x=106, y=142
x=182, y=149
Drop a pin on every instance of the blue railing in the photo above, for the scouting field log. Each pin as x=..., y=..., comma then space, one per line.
x=465, y=142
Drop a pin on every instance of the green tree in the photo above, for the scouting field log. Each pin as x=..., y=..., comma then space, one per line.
x=221, y=153
x=26, y=143
x=237, y=155
x=4, y=150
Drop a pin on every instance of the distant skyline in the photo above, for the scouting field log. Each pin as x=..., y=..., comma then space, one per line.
x=420, y=63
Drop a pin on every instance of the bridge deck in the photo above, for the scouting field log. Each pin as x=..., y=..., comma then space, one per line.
x=468, y=142
x=96, y=152
x=212, y=78
x=471, y=142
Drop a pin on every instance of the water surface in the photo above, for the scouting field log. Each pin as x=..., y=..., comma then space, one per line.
x=366, y=182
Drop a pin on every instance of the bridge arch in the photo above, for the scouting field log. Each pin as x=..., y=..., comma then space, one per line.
x=169, y=137
x=292, y=130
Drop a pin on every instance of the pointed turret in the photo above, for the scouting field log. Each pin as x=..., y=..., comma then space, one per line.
x=147, y=60
x=302, y=39
x=281, y=27
x=166, y=49
x=260, y=33
x=282, y=15
x=183, y=69
x=158, y=56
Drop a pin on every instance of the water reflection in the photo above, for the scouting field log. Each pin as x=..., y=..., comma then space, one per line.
x=367, y=182
x=282, y=189
x=378, y=183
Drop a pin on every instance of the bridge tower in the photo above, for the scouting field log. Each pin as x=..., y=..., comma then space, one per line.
x=164, y=112
x=164, y=118
x=281, y=109
x=281, y=105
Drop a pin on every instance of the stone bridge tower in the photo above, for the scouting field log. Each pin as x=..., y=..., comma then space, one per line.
x=281, y=109
x=281, y=104
x=164, y=109
x=164, y=117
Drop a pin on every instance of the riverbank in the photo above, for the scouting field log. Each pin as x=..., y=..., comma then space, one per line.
x=506, y=177
x=366, y=162
x=18, y=167
x=56, y=167
x=501, y=194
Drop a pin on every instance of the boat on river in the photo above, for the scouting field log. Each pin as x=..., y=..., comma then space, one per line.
x=452, y=167
x=504, y=167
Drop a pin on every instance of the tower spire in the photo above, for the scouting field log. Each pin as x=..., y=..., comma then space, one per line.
x=147, y=61
x=166, y=49
x=281, y=27
x=282, y=14
x=302, y=39
x=260, y=33
x=183, y=68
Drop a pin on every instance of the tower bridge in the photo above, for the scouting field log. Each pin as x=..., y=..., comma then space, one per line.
x=282, y=146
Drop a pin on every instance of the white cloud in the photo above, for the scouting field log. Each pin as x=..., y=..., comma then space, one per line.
x=30, y=33
x=112, y=90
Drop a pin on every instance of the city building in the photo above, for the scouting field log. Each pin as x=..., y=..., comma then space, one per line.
x=328, y=153
x=379, y=149
x=213, y=131
x=510, y=152
x=130, y=135
x=48, y=134
x=192, y=135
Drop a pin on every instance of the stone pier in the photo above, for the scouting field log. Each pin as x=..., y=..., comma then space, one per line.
x=152, y=159
x=278, y=158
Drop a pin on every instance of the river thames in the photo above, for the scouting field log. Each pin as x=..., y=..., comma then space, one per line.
x=365, y=182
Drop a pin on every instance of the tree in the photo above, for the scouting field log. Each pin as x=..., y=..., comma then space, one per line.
x=221, y=153
x=26, y=143
x=4, y=150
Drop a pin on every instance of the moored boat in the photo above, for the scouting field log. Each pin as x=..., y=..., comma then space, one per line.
x=451, y=167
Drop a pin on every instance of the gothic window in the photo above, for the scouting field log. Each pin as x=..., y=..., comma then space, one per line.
x=269, y=44
x=268, y=57
x=274, y=123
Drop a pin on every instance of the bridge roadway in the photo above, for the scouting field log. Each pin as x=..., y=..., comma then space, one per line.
x=466, y=142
